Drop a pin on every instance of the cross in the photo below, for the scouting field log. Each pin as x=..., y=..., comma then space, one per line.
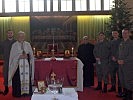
x=53, y=76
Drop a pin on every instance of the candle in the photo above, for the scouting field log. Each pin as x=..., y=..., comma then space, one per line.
x=72, y=51
x=72, y=48
x=34, y=51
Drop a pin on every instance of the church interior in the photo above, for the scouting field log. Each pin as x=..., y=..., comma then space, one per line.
x=58, y=25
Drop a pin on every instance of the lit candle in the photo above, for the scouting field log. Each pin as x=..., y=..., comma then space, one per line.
x=34, y=51
x=72, y=48
x=72, y=51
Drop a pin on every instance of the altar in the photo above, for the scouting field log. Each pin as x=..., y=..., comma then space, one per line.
x=68, y=94
x=70, y=69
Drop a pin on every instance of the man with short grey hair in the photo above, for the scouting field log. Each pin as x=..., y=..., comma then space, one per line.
x=125, y=61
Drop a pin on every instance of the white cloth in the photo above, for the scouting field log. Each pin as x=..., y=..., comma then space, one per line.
x=15, y=52
x=68, y=94
x=79, y=75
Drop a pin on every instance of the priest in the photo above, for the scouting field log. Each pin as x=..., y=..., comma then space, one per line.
x=21, y=67
x=85, y=54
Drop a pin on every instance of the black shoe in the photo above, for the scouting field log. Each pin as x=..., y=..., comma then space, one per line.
x=6, y=90
x=99, y=87
x=104, y=89
x=112, y=89
x=121, y=95
x=1, y=92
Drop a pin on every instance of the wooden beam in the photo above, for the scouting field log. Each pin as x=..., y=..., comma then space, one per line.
x=62, y=13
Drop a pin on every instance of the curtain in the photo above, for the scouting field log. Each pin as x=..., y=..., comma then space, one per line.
x=21, y=23
x=91, y=25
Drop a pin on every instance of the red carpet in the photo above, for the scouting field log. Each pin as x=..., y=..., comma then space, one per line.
x=87, y=94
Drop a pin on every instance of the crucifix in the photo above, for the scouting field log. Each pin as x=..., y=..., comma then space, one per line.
x=53, y=76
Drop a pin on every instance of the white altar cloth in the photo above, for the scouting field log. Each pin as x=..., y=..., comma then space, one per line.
x=68, y=94
x=79, y=75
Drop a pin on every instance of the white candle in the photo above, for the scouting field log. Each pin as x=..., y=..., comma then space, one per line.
x=34, y=51
x=72, y=50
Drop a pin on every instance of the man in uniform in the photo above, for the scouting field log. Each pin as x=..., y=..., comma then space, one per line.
x=6, y=47
x=125, y=61
x=101, y=53
x=114, y=44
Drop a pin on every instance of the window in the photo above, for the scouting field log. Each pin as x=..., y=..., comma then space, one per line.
x=95, y=5
x=10, y=5
x=80, y=5
x=24, y=5
x=1, y=6
x=55, y=5
x=66, y=5
x=108, y=4
x=48, y=5
x=38, y=5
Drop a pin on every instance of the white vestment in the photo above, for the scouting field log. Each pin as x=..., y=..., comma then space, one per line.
x=24, y=68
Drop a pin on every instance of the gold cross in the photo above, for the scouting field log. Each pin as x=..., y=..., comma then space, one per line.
x=53, y=76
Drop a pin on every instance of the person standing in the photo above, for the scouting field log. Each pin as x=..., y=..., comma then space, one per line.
x=5, y=49
x=114, y=44
x=125, y=61
x=21, y=67
x=85, y=54
x=101, y=53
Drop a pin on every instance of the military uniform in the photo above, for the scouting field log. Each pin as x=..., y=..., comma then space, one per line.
x=113, y=68
x=126, y=70
x=101, y=50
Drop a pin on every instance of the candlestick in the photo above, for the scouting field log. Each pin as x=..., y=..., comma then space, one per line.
x=53, y=40
x=53, y=46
